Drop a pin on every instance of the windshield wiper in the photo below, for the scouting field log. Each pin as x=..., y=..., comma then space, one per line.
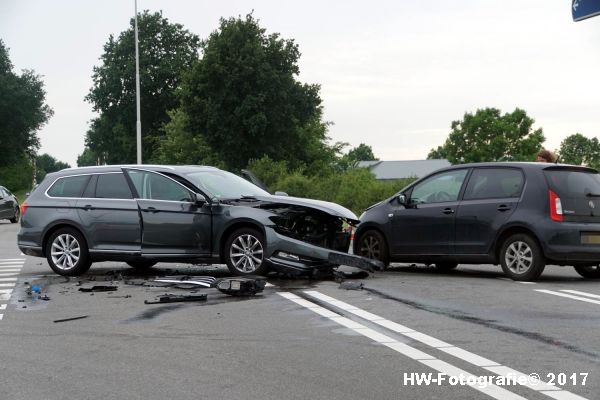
x=592, y=195
x=248, y=197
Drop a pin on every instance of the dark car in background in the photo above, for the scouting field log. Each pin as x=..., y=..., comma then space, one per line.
x=522, y=216
x=145, y=214
x=9, y=206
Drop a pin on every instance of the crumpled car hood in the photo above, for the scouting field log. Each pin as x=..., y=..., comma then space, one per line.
x=325, y=206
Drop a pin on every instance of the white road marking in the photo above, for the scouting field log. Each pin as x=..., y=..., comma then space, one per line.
x=4, y=285
x=569, y=296
x=594, y=296
x=10, y=274
x=12, y=259
x=526, y=283
x=493, y=391
x=11, y=265
x=1, y=315
x=2, y=306
x=472, y=358
x=269, y=285
x=10, y=270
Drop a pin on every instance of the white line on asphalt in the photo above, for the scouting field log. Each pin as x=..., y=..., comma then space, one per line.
x=12, y=265
x=527, y=283
x=594, y=296
x=6, y=270
x=448, y=348
x=569, y=296
x=269, y=285
x=491, y=390
x=7, y=285
x=12, y=259
x=1, y=315
x=10, y=274
x=2, y=306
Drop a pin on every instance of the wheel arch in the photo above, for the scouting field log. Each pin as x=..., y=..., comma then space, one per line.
x=58, y=226
x=371, y=227
x=234, y=227
x=513, y=230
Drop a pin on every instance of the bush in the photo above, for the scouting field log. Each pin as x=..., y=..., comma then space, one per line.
x=18, y=176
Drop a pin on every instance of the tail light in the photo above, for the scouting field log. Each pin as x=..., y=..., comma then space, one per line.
x=24, y=207
x=556, y=211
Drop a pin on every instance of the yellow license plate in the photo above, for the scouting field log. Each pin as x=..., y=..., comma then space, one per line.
x=590, y=238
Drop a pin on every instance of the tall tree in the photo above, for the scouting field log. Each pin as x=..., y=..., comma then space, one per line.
x=23, y=111
x=487, y=135
x=245, y=101
x=579, y=150
x=166, y=51
x=45, y=163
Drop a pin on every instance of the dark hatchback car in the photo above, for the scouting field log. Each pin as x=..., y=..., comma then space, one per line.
x=145, y=214
x=9, y=206
x=519, y=215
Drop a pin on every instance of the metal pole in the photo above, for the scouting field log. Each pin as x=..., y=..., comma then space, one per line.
x=138, y=124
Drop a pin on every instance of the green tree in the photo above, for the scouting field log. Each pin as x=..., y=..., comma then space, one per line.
x=166, y=51
x=487, y=135
x=23, y=110
x=579, y=150
x=45, y=163
x=362, y=152
x=243, y=98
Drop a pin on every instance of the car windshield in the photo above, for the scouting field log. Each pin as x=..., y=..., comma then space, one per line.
x=224, y=185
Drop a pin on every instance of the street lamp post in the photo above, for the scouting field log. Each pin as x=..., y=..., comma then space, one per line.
x=138, y=124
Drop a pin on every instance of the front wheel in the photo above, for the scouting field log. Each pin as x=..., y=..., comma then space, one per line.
x=244, y=252
x=588, y=271
x=521, y=258
x=67, y=253
x=372, y=244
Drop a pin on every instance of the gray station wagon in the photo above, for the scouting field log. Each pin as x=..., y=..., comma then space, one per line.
x=144, y=214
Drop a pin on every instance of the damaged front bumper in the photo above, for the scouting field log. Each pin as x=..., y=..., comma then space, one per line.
x=285, y=254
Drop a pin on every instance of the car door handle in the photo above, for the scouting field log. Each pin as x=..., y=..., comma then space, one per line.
x=503, y=208
x=150, y=209
x=88, y=207
x=448, y=211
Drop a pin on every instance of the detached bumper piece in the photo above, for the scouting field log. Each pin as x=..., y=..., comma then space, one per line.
x=241, y=286
x=364, y=263
x=176, y=298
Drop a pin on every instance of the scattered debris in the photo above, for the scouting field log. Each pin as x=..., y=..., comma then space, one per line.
x=352, y=285
x=241, y=286
x=341, y=275
x=99, y=288
x=176, y=298
x=70, y=319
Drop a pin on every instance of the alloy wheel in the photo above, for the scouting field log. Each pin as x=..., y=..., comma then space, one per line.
x=246, y=253
x=65, y=251
x=370, y=247
x=518, y=257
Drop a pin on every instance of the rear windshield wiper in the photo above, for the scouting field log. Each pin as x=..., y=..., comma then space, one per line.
x=592, y=195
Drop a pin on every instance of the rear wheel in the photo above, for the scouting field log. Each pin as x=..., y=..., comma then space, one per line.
x=67, y=252
x=521, y=258
x=372, y=244
x=588, y=271
x=16, y=216
x=445, y=266
x=244, y=252
x=141, y=264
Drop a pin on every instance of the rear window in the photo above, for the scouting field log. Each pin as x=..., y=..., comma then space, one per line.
x=573, y=183
x=494, y=183
x=71, y=186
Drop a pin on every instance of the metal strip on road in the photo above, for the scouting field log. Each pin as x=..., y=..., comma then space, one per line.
x=569, y=296
x=465, y=355
x=594, y=296
x=491, y=390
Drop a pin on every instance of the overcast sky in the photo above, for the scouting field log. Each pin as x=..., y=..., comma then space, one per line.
x=394, y=74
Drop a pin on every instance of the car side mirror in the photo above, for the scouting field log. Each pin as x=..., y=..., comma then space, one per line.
x=401, y=199
x=278, y=193
x=198, y=198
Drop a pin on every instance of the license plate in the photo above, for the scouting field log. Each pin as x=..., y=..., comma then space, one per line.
x=590, y=238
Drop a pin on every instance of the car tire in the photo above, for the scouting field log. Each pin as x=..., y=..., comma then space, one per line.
x=244, y=252
x=521, y=258
x=372, y=244
x=141, y=265
x=16, y=216
x=445, y=266
x=67, y=252
x=588, y=271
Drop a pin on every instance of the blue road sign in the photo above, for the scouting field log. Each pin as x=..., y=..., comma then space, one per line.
x=583, y=9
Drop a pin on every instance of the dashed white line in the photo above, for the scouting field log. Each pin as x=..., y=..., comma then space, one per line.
x=493, y=391
x=472, y=358
x=569, y=296
x=2, y=306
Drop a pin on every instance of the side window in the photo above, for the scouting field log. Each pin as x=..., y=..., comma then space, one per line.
x=153, y=186
x=112, y=186
x=439, y=188
x=492, y=183
x=2, y=192
x=71, y=186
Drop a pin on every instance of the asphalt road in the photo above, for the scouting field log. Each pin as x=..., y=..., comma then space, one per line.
x=299, y=339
